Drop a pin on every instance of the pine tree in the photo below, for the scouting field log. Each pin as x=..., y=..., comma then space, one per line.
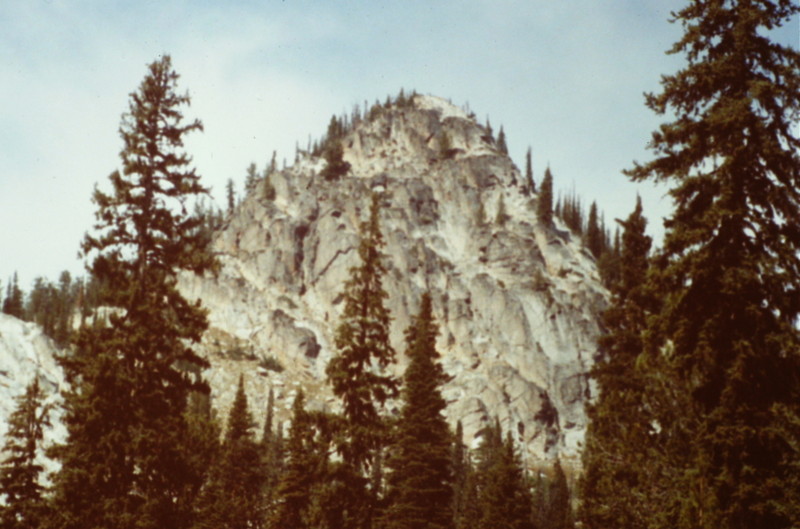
x=594, y=235
x=501, y=141
x=559, y=511
x=130, y=380
x=726, y=339
x=460, y=464
x=614, y=460
x=20, y=488
x=544, y=208
x=233, y=497
x=230, y=195
x=420, y=473
x=504, y=497
x=294, y=490
x=529, y=181
x=13, y=305
x=251, y=179
x=356, y=372
x=502, y=214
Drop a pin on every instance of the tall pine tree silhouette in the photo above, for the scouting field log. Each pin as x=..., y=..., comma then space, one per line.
x=420, y=474
x=122, y=465
x=20, y=487
x=729, y=272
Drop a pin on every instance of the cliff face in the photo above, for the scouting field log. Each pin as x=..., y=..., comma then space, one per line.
x=517, y=303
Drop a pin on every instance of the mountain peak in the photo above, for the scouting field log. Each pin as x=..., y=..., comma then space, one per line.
x=517, y=303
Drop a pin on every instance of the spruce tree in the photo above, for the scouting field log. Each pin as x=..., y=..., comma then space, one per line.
x=294, y=490
x=420, y=473
x=613, y=462
x=501, y=141
x=233, y=496
x=594, y=235
x=729, y=273
x=559, y=510
x=122, y=465
x=23, y=504
x=544, y=207
x=356, y=371
x=13, y=304
x=529, y=182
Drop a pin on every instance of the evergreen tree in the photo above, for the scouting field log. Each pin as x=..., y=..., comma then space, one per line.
x=122, y=465
x=544, y=208
x=233, y=497
x=613, y=462
x=726, y=338
x=356, y=372
x=23, y=505
x=272, y=456
x=251, y=179
x=460, y=464
x=501, y=141
x=529, y=181
x=559, y=511
x=502, y=215
x=294, y=490
x=202, y=446
x=420, y=473
x=594, y=235
x=230, y=195
x=13, y=305
x=504, y=497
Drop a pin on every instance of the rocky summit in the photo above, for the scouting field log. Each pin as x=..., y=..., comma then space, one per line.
x=517, y=303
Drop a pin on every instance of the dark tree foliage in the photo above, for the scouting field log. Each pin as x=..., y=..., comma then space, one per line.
x=594, y=235
x=13, y=304
x=559, y=510
x=544, y=207
x=420, y=474
x=504, y=496
x=23, y=504
x=295, y=488
x=232, y=498
x=356, y=372
x=529, y=181
x=122, y=465
x=613, y=466
x=501, y=141
x=230, y=196
x=53, y=307
x=362, y=343
x=729, y=273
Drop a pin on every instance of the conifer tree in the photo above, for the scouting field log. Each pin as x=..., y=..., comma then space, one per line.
x=559, y=511
x=356, y=372
x=529, y=182
x=230, y=195
x=594, y=235
x=613, y=462
x=420, y=473
x=121, y=465
x=294, y=490
x=504, y=495
x=729, y=273
x=13, y=304
x=20, y=488
x=501, y=141
x=502, y=214
x=251, y=179
x=544, y=208
x=233, y=497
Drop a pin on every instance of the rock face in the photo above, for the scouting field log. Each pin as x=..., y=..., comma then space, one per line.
x=517, y=303
x=26, y=352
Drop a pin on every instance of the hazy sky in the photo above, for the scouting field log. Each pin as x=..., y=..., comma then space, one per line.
x=565, y=78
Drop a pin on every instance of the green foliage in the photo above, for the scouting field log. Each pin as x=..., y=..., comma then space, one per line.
x=20, y=488
x=501, y=142
x=721, y=355
x=233, y=496
x=13, y=302
x=420, y=476
x=544, y=207
x=363, y=349
x=530, y=184
x=130, y=380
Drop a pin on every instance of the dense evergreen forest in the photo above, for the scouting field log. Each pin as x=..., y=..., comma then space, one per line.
x=696, y=422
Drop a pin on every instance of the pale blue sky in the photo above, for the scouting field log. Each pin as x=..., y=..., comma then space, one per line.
x=565, y=78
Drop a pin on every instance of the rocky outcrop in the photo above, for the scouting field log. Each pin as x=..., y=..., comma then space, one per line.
x=517, y=303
